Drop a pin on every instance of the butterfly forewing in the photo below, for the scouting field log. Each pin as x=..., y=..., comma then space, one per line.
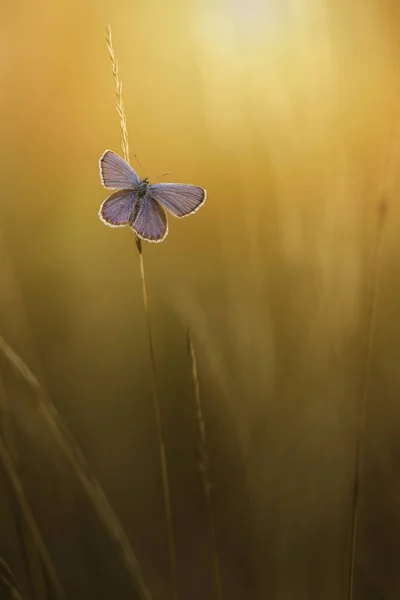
x=115, y=172
x=181, y=199
x=117, y=209
x=151, y=221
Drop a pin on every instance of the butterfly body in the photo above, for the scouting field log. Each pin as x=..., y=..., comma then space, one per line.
x=139, y=204
x=143, y=188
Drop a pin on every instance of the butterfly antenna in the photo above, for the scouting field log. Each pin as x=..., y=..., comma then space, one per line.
x=138, y=161
x=164, y=174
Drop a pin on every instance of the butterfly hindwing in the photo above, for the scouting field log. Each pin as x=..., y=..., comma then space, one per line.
x=115, y=173
x=151, y=221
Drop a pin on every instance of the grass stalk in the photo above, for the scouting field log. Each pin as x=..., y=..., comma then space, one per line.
x=161, y=441
x=203, y=465
x=156, y=395
x=361, y=421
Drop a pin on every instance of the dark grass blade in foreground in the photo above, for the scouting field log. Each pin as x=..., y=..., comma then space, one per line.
x=29, y=519
x=9, y=589
x=33, y=561
x=82, y=470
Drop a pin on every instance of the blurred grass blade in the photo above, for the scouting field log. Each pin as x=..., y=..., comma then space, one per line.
x=371, y=318
x=203, y=465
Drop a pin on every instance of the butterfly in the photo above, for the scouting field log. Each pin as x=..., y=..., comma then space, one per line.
x=139, y=204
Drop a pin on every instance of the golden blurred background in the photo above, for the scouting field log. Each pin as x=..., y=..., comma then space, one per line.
x=287, y=112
